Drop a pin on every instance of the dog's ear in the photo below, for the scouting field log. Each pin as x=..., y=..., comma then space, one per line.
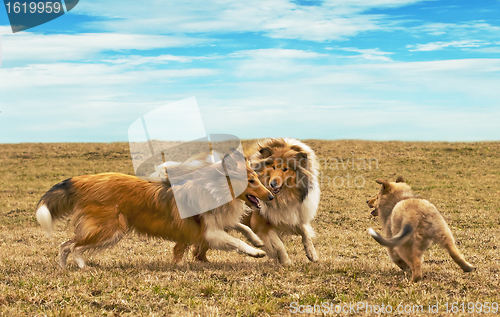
x=265, y=152
x=384, y=183
x=301, y=159
x=296, y=148
x=400, y=179
x=258, y=166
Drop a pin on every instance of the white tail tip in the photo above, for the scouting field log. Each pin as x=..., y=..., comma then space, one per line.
x=45, y=219
x=372, y=232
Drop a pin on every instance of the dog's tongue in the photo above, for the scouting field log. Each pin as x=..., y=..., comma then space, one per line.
x=253, y=199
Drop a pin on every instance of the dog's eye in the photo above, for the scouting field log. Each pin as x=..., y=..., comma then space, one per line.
x=251, y=181
x=285, y=169
x=274, y=168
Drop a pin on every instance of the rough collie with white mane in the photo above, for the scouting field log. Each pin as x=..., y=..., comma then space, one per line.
x=289, y=169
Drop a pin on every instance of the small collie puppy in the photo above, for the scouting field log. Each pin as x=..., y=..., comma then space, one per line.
x=411, y=225
x=289, y=169
x=104, y=207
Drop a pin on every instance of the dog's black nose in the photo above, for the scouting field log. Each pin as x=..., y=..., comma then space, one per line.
x=274, y=183
x=367, y=201
x=271, y=197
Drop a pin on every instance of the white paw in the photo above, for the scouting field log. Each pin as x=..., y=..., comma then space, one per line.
x=258, y=254
x=286, y=262
x=312, y=256
x=257, y=243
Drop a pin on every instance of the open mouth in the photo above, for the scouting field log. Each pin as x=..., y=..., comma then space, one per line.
x=275, y=190
x=254, y=200
x=374, y=212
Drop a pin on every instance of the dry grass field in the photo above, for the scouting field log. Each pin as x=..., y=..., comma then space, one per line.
x=136, y=277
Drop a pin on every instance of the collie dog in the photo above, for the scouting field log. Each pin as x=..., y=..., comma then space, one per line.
x=104, y=207
x=411, y=225
x=289, y=169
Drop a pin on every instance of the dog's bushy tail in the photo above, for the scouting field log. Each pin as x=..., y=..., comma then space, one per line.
x=55, y=204
x=395, y=241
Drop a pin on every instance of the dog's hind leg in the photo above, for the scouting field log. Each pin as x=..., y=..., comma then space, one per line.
x=200, y=252
x=412, y=255
x=398, y=260
x=307, y=233
x=446, y=240
x=92, y=232
x=459, y=258
x=179, y=250
x=416, y=274
x=78, y=256
x=64, y=250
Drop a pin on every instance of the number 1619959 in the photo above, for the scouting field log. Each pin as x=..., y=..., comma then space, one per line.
x=472, y=307
x=33, y=7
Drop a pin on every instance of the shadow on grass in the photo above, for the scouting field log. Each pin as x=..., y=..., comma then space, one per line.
x=166, y=266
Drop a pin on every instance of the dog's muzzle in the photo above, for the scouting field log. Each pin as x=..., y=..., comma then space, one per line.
x=274, y=187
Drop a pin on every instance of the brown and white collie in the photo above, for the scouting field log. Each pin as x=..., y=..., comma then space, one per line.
x=104, y=207
x=289, y=168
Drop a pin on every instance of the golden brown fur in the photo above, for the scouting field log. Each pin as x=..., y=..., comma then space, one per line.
x=289, y=169
x=411, y=225
x=104, y=207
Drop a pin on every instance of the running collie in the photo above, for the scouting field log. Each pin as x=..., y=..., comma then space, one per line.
x=289, y=168
x=104, y=207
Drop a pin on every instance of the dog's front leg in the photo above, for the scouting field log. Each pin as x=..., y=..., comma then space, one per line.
x=277, y=245
x=221, y=240
x=273, y=245
x=307, y=233
x=250, y=235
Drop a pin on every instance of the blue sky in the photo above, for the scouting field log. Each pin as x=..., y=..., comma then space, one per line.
x=360, y=69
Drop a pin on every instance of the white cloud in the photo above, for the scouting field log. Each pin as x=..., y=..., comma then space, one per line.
x=314, y=94
x=475, y=78
x=333, y=20
x=431, y=100
x=458, y=30
x=1, y=51
x=372, y=54
x=65, y=47
x=135, y=60
x=277, y=53
x=442, y=45
x=88, y=76
x=489, y=50
x=372, y=3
